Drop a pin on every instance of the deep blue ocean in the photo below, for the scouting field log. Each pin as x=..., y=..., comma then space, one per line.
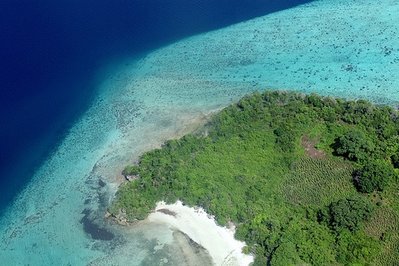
x=51, y=53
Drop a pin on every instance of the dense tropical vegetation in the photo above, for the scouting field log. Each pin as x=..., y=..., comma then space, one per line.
x=306, y=179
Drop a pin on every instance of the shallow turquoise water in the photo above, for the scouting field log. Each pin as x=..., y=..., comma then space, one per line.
x=339, y=48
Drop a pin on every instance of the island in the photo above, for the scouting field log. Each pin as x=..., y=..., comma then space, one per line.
x=301, y=179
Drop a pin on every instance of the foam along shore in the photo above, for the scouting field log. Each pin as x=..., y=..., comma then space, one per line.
x=219, y=241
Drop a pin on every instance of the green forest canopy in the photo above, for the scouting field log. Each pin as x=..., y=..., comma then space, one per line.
x=306, y=179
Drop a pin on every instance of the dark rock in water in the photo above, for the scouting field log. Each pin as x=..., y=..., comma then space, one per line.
x=93, y=229
x=101, y=183
x=197, y=247
x=168, y=212
x=86, y=212
x=194, y=253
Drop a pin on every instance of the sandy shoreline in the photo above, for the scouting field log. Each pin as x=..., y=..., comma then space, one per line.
x=219, y=241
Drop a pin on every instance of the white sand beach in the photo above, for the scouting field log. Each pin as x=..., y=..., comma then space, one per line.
x=202, y=228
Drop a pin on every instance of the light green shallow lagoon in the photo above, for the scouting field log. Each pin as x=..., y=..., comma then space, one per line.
x=339, y=48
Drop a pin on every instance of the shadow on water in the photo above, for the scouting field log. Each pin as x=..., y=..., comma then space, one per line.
x=50, y=52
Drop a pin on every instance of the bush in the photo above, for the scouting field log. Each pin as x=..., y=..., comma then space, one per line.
x=395, y=160
x=314, y=100
x=285, y=138
x=356, y=248
x=374, y=175
x=349, y=213
x=354, y=145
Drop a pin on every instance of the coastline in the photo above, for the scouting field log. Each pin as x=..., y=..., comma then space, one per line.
x=200, y=227
x=133, y=113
